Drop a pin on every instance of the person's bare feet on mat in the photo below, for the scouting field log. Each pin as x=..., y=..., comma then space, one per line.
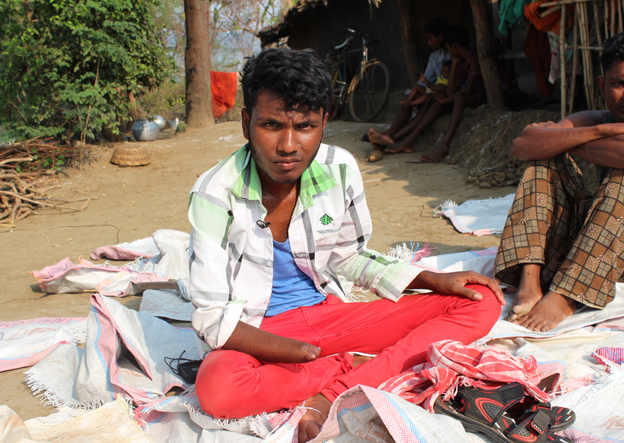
x=529, y=292
x=547, y=313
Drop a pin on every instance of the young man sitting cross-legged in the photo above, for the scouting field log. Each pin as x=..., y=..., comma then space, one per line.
x=273, y=226
x=562, y=246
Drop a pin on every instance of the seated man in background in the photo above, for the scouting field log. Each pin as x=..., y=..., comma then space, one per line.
x=434, y=35
x=465, y=88
x=273, y=226
x=561, y=245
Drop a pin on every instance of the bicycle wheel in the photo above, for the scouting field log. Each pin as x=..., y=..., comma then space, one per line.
x=368, y=93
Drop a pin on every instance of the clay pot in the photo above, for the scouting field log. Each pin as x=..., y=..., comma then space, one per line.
x=160, y=122
x=145, y=131
x=129, y=155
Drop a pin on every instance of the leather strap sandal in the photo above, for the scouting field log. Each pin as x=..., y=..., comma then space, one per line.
x=496, y=412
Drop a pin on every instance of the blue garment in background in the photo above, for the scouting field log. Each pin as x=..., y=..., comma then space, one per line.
x=292, y=288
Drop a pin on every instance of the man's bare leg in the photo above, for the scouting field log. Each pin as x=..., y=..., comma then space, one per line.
x=399, y=121
x=459, y=103
x=430, y=115
x=437, y=154
x=528, y=294
x=548, y=312
x=319, y=406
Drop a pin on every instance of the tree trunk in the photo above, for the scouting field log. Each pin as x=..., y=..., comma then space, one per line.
x=197, y=64
x=487, y=61
x=408, y=39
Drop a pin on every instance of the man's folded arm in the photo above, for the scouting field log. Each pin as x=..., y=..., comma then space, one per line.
x=543, y=140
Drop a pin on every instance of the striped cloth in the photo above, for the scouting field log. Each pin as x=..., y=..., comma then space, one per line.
x=613, y=355
x=452, y=364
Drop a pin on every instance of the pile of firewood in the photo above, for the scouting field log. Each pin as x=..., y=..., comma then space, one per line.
x=28, y=172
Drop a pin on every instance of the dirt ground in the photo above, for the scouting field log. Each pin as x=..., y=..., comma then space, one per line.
x=131, y=203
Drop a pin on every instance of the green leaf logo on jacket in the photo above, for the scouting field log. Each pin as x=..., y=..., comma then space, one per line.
x=326, y=219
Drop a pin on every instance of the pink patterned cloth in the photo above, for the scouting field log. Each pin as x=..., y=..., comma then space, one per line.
x=452, y=364
x=608, y=355
x=112, y=281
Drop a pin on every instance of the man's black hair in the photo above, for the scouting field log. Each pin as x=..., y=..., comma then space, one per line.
x=436, y=27
x=299, y=78
x=613, y=50
x=457, y=34
x=447, y=63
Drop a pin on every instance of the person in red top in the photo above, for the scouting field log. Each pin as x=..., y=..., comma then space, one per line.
x=465, y=88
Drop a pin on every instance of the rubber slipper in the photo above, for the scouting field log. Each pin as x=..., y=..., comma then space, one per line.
x=487, y=410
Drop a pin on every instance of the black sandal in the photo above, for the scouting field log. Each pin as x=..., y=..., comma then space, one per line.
x=496, y=412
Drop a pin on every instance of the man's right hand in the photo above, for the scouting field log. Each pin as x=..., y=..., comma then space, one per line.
x=270, y=347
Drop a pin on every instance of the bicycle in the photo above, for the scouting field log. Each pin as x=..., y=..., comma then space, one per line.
x=368, y=89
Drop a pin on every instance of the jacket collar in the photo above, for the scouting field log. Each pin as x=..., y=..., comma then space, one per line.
x=314, y=180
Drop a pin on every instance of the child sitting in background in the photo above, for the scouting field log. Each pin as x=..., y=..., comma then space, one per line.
x=437, y=89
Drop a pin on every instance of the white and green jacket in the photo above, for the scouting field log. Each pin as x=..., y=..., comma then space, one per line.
x=231, y=255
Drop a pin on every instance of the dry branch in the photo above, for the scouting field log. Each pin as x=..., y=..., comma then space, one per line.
x=26, y=178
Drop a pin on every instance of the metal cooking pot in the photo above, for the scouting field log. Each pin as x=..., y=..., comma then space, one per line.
x=173, y=124
x=145, y=130
x=160, y=121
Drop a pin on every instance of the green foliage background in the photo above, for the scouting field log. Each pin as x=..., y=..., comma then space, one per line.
x=67, y=66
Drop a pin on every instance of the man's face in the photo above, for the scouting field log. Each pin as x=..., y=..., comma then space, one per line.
x=283, y=142
x=612, y=89
x=434, y=42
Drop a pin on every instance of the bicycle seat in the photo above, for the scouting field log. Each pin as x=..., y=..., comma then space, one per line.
x=368, y=39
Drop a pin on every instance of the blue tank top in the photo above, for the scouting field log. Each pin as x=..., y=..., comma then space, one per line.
x=292, y=288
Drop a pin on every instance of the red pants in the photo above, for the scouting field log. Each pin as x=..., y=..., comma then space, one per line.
x=231, y=384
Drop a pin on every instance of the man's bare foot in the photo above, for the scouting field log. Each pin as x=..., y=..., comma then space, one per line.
x=548, y=312
x=401, y=149
x=528, y=294
x=437, y=154
x=312, y=421
x=379, y=139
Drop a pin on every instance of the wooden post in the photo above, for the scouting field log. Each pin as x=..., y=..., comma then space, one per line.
x=487, y=61
x=562, y=62
x=597, y=22
x=406, y=19
x=574, y=59
x=197, y=64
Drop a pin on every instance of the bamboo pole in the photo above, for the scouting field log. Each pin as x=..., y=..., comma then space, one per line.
x=587, y=61
x=613, y=14
x=606, y=21
x=562, y=2
x=562, y=62
x=584, y=52
x=590, y=48
x=550, y=11
x=574, y=58
x=597, y=22
x=619, y=9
